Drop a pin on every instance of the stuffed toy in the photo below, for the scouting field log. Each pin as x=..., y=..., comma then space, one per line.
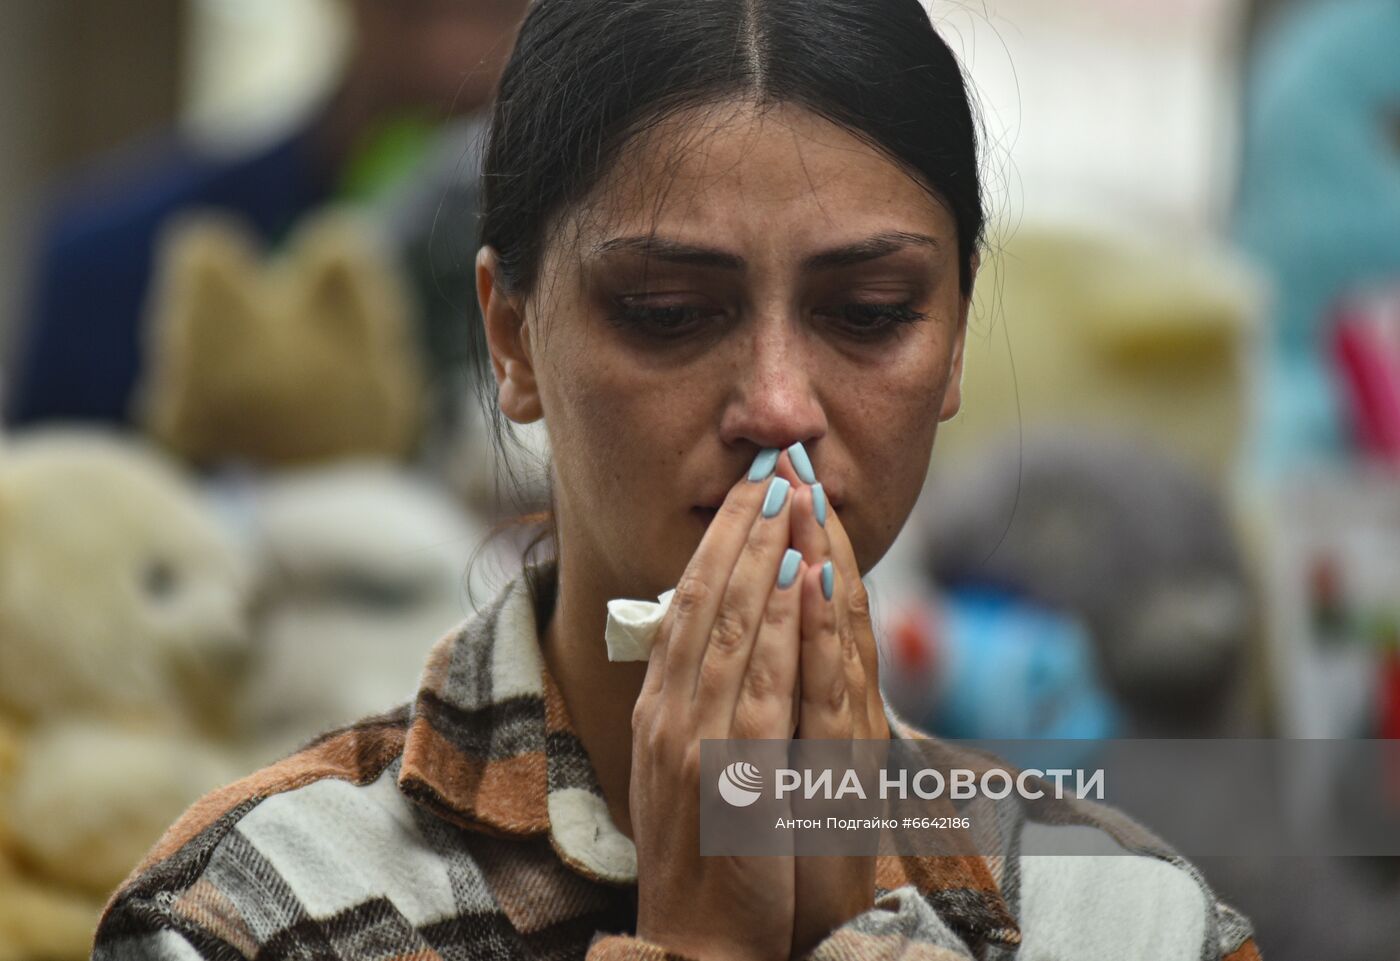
x=1114, y=332
x=1118, y=538
x=984, y=662
x=301, y=358
x=38, y=919
x=1319, y=206
x=298, y=381
x=364, y=565
x=123, y=614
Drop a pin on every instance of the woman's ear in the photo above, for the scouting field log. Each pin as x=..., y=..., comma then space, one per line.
x=952, y=396
x=508, y=339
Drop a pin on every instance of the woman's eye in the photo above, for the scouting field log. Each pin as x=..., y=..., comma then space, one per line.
x=661, y=320
x=870, y=320
x=859, y=320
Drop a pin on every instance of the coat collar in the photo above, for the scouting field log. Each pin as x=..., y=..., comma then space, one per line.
x=490, y=747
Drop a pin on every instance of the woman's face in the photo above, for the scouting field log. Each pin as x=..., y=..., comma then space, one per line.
x=741, y=280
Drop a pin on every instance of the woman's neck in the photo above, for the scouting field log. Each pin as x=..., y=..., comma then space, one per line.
x=598, y=693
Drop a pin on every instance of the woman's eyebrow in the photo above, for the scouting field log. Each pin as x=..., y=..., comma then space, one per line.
x=871, y=248
x=674, y=251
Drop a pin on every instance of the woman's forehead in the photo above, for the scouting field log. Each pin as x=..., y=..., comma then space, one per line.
x=755, y=175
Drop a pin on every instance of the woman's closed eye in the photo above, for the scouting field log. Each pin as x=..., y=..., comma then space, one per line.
x=872, y=320
x=861, y=320
x=663, y=317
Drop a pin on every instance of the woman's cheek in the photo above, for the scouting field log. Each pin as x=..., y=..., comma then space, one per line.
x=891, y=447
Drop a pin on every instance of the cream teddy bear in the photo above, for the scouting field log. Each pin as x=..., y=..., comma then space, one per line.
x=123, y=638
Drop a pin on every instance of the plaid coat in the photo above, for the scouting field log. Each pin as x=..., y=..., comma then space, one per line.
x=469, y=824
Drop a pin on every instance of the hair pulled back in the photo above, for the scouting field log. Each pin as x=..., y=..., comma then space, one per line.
x=587, y=76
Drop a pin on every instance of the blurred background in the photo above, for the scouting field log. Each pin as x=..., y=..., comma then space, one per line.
x=245, y=484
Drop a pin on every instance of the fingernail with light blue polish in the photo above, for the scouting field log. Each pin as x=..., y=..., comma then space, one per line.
x=802, y=463
x=763, y=464
x=819, y=503
x=828, y=580
x=777, y=493
x=787, y=570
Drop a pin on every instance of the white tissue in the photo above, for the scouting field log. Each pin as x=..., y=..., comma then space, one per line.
x=632, y=627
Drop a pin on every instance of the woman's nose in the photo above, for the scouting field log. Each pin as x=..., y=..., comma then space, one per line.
x=774, y=399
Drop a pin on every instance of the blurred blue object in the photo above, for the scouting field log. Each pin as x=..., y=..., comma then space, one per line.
x=1319, y=203
x=79, y=349
x=981, y=663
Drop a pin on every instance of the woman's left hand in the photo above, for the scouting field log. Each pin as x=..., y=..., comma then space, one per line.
x=839, y=700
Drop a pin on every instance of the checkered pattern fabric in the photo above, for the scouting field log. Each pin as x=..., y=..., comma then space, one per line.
x=469, y=824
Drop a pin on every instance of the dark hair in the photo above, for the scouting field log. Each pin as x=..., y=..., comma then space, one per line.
x=587, y=77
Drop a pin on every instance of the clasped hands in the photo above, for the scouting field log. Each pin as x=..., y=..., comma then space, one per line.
x=768, y=635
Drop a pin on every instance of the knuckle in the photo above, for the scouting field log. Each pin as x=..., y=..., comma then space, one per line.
x=855, y=692
x=760, y=683
x=858, y=600
x=850, y=650
x=756, y=546
x=664, y=630
x=749, y=722
x=653, y=739
x=728, y=631
x=733, y=510
x=641, y=713
x=774, y=616
x=712, y=674
x=689, y=767
x=855, y=680
x=836, y=695
x=691, y=593
x=830, y=697
x=667, y=744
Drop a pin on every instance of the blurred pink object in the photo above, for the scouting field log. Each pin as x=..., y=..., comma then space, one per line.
x=1366, y=345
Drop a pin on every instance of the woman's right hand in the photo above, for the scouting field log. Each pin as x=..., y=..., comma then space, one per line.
x=724, y=666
